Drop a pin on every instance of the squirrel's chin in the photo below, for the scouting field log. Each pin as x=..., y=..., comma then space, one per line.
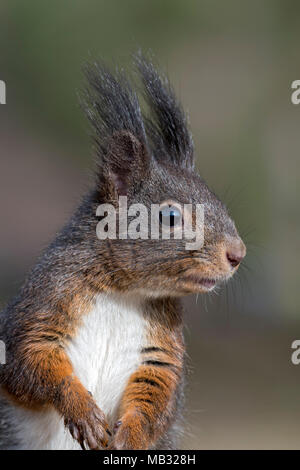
x=199, y=281
x=195, y=283
x=197, y=289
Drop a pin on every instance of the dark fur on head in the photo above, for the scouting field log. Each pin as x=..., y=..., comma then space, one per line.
x=149, y=157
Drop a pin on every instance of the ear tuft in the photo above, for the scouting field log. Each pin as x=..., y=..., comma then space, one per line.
x=167, y=127
x=124, y=138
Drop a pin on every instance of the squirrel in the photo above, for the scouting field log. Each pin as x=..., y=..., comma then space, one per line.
x=95, y=354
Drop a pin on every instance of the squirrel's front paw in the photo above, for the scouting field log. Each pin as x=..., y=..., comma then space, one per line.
x=90, y=430
x=131, y=433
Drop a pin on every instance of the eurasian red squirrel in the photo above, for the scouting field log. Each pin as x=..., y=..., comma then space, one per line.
x=94, y=339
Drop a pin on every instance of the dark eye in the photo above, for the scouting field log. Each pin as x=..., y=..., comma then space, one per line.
x=170, y=216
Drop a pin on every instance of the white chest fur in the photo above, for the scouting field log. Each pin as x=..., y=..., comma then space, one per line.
x=107, y=349
x=104, y=354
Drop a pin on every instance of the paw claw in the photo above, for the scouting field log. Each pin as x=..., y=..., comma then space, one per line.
x=116, y=426
x=90, y=431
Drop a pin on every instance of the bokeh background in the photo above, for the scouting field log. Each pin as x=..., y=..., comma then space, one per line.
x=232, y=64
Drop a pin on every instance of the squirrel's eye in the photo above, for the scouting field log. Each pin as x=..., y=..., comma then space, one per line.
x=170, y=216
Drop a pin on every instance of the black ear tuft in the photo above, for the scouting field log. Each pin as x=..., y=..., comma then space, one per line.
x=111, y=106
x=168, y=128
x=121, y=141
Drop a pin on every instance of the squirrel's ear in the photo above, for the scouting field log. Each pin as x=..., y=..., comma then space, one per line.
x=126, y=163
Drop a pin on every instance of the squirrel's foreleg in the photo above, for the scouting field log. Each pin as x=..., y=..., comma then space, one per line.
x=44, y=377
x=149, y=403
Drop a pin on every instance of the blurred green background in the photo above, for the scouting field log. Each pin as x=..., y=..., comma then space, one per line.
x=232, y=64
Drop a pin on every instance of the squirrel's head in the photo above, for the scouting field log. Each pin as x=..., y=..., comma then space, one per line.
x=146, y=163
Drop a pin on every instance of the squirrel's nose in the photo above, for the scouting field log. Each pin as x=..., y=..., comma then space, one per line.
x=235, y=253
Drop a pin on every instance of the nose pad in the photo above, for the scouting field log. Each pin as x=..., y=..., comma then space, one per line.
x=235, y=253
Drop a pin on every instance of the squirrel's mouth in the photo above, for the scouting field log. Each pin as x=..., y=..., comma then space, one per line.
x=198, y=281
